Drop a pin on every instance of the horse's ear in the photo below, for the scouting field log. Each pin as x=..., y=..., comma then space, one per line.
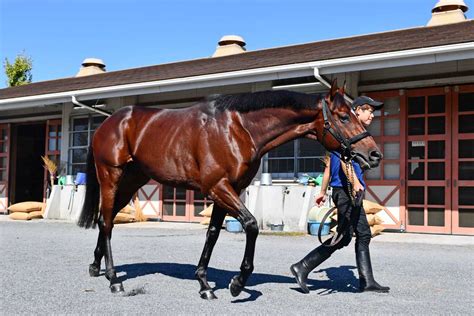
x=334, y=89
x=343, y=88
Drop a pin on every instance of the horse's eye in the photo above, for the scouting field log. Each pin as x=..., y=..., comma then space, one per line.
x=345, y=118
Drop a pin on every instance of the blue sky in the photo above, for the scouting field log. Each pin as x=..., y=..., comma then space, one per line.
x=59, y=34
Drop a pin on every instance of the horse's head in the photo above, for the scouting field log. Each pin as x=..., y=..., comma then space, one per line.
x=342, y=131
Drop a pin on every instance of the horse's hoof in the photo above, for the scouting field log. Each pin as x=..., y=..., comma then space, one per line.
x=116, y=288
x=208, y=295
x=235, y=286
x=94, y=270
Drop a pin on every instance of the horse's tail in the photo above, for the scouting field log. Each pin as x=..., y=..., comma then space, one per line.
x=90, y=209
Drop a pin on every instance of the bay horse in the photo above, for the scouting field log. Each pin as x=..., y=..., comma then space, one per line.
x=215, y=147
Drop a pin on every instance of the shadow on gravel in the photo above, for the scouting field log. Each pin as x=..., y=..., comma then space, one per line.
x=340, y=279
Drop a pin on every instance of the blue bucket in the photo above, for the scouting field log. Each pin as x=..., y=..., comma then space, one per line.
x=80, y=178
x=233, y=226
x=313, y=227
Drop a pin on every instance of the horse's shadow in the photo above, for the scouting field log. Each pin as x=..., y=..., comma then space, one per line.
x=340, y=279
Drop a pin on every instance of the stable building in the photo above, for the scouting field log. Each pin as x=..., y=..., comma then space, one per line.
x=425, y=76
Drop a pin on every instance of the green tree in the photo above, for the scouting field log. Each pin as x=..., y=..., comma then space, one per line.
x=19, y=72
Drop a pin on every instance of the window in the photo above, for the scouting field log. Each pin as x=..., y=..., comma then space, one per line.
x=295, y=158
x=385, y=129
x=80, y=135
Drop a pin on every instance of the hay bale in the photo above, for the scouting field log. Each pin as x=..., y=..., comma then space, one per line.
x=25, y=207
x=19, y=216
x=372, y=207
x=123, y=218
x=207, y=212
x=35, y=215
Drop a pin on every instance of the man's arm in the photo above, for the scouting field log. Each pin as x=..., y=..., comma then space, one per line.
x=321, y=198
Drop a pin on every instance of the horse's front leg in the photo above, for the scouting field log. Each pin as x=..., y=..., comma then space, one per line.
x=215, y=225
x=227, y=197
x=249, y=223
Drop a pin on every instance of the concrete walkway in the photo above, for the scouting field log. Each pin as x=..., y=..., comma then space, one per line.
x=434, y=239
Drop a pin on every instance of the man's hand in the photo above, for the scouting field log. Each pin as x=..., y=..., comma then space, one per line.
x=321, y=199
x=358, y=187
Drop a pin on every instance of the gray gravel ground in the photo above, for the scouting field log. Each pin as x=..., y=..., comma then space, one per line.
x=45, y=271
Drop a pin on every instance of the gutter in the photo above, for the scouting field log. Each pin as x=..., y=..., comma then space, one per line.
x=323, y=80
x=94, y=109
x=330, y=66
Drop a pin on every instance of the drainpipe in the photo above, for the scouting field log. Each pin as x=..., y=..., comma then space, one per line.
x=82, y=105
x=321, y=79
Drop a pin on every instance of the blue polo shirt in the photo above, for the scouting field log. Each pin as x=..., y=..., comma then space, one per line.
x=338, y=177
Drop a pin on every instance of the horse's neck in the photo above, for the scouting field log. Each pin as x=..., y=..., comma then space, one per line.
x=272, y=128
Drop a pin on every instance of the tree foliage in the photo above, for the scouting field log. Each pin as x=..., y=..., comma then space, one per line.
x=19, y=72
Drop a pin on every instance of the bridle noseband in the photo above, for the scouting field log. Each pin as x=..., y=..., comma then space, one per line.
x=347, y=154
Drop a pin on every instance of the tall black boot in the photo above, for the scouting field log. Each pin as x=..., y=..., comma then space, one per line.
x=302, y=268
x=366, y=277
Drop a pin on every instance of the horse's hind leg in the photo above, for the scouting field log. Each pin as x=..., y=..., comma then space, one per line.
x=217, y=218
x=94, y=268
x=224, y=195
x=109, y=178
x=117, y=188
x=132, y=179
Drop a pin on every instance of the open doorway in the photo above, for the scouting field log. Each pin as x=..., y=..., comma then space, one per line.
x=27, y=172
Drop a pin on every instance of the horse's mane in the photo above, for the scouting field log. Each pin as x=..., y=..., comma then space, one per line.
x=246, y=102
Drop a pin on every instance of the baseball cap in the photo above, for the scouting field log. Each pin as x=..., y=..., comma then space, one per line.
x=366, y=100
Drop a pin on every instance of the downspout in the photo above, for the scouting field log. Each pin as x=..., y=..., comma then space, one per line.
x=82, y=105
x=321, y=79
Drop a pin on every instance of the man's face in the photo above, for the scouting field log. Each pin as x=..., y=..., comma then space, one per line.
x=365, y=113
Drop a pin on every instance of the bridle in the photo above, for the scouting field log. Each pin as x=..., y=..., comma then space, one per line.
x=347, y=154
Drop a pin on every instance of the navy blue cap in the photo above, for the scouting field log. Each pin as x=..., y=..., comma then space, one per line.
x=359, y=101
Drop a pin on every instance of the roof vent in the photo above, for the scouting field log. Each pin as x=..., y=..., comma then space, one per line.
x=447, y=12
x=230, y=45
x=91, y=66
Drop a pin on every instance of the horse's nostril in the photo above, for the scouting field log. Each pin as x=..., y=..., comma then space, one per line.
x=375, y=155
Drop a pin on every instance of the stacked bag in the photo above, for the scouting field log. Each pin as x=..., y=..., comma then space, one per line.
x=375, y=221
x=130, y=214
x=206, y=214
x=26, y=211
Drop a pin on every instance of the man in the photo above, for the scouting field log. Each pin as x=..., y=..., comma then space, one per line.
x=351, y=218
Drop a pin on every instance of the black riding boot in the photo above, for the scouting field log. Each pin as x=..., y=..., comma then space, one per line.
x=302, y=268
x=366, y=277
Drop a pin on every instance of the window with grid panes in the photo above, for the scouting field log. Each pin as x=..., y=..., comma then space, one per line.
x=80, y=136
x=292, y=159
x=385, y=128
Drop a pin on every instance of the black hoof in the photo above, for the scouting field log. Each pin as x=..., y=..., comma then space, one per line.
x=235, y=286
x=116, y=288
x=208, y=295
x=94, y=270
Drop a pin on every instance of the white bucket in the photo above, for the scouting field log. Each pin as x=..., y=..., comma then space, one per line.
x=266, y=179
x=69, y=180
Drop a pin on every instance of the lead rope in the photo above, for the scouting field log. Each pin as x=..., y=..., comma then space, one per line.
x=350, y=180
x=338, y=237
